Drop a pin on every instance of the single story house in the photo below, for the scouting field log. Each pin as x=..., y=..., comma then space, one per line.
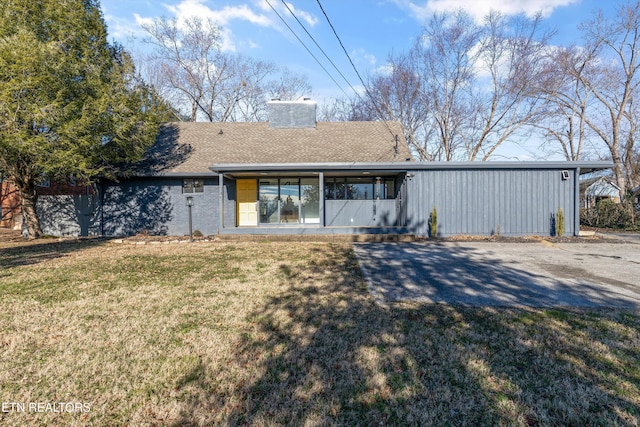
x=294, y=175
x=592, y=190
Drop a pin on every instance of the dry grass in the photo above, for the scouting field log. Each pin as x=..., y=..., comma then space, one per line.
x=285, y=333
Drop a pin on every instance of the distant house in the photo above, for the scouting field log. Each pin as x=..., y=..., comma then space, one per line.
x=294, y=175
x=635, y=192
x=10, y=206
x=593, y=190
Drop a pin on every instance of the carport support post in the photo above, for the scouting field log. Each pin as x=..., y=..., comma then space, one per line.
x=576, y=203
x=221, y=201
x=321, y=198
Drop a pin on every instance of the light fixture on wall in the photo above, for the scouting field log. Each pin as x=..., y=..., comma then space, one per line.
x=565, y=175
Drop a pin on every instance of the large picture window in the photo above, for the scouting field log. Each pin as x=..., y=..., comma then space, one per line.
x=289, y=201
x=359, y=188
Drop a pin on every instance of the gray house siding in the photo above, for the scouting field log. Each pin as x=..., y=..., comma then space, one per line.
x=491, y=201
x=153, y=205
x=361, y=213
x=474, y=199
x=158, y=206
x=70, y=215
x=229, y=194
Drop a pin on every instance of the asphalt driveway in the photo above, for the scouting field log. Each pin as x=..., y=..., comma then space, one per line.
x=537, y=274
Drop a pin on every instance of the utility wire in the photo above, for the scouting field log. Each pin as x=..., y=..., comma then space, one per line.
x=319, y=47
x=341, y=45
x=375, y=105
x=308, y=50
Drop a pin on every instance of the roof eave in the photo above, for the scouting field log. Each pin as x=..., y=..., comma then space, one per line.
x=584, y=167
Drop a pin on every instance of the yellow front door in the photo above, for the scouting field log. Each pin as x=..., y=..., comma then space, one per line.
x=247, y=190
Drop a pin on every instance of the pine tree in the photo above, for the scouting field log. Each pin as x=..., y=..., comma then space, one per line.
x=70, y=102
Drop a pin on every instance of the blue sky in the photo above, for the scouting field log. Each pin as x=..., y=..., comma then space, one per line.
x=369, y=29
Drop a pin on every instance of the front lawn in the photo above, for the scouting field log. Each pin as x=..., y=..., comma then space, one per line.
x=285, y=333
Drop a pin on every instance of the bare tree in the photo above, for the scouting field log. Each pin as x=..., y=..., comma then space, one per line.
x=613, y=47
x=192, y=72
x=345, y=109
x=464, y=89
x=513, y=53
x=445, y=58
x=563, y=123
x=288, y=85
x=397, y=96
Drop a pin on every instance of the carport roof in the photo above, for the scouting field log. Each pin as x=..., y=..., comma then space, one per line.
x=583, y=167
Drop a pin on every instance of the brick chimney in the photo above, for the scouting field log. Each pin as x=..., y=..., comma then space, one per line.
x=292, y=114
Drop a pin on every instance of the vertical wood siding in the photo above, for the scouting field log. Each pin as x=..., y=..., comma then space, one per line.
x=492, y=201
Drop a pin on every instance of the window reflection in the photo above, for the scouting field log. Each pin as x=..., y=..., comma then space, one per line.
x=289, y=201
x=269, y=201
x=359, y=188
x=310, y=200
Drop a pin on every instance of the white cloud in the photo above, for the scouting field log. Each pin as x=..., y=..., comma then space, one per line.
x=122, y=29
x=186, y=9
x=190, y=8
x=360, y=56
x=384, y=70
x=479, y=8
x=307, y=17
x=256, y=12
x=141, y=20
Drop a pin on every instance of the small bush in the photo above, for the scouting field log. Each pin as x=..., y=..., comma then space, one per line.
x=560, y=223
x=197, y=233
x=433, y=223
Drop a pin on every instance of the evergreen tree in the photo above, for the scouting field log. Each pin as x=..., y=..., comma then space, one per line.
x=70, y=102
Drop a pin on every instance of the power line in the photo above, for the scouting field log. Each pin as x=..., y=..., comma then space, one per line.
x=319, y=47
x=308, y=50
x=341, y=45
x=373, y=102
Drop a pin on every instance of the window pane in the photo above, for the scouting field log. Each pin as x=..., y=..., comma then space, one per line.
x=389, y=188
x=289, y=201
x=269, y=202
x=330, y=189
x=310, y=200
x=198, y=186
x=187, y=186
x=340, y=188
x=359, y=188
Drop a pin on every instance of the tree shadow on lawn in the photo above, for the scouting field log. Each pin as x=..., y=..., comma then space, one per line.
x=34, y=252
x=327, y=354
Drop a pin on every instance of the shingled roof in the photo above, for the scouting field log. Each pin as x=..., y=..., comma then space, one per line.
x=193, y=147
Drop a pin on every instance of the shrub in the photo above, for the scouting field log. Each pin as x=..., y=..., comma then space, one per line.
x=608, y=214
x=560, y=223
x=433, y=223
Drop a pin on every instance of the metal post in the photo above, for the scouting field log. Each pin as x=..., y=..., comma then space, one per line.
x=576, y=202
x=189, y=205
x=220, y=201
x=321, y=200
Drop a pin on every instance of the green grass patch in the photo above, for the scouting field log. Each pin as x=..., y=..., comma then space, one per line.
x=285, y=333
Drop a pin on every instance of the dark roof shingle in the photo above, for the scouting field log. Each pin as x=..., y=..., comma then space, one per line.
x=193, y=147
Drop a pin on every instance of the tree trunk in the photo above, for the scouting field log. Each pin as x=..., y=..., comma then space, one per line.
x=29, y=197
